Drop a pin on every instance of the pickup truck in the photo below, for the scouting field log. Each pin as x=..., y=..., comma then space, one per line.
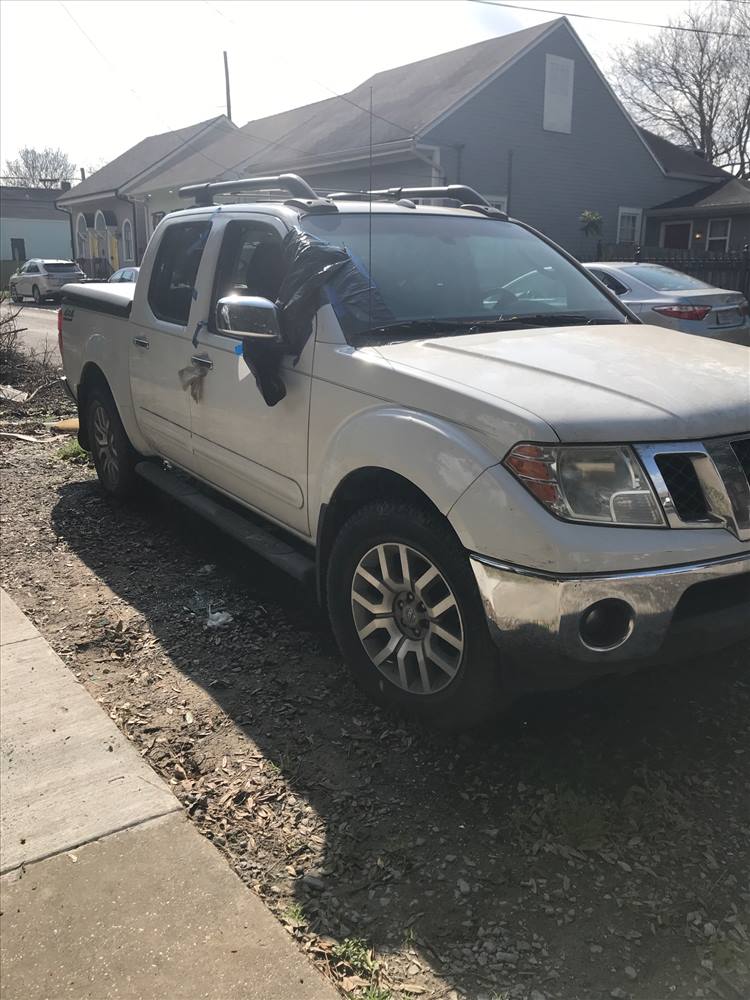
x=498, y=479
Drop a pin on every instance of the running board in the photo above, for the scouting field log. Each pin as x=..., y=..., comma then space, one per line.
x=254, y=538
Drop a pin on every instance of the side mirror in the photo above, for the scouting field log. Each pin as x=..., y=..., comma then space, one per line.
x=248, y=316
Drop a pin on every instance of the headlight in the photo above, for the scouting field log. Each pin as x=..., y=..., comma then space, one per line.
x=599, y=484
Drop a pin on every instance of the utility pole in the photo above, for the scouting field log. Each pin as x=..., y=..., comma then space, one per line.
x=226, y=81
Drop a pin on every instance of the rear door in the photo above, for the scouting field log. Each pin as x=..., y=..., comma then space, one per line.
x=252, y=451
x=160, y=346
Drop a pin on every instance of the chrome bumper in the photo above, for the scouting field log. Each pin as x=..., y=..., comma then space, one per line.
x=540, y=618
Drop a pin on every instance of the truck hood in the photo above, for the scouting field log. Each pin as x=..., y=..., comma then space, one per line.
x=598, y=383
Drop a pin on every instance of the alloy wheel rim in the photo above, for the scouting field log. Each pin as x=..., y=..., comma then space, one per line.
x=104, y=445
x=407, y=618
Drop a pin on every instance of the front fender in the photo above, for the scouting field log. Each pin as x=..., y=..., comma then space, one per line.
x=440, y=458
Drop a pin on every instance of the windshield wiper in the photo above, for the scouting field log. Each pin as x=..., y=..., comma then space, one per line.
x=540, y=319
x=416, y=327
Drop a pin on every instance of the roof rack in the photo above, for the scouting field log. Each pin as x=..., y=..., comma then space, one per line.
x=467, y=197
x=303, y=196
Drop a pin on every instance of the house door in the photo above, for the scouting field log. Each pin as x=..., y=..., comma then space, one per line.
x=676, y=235
x=18, y=250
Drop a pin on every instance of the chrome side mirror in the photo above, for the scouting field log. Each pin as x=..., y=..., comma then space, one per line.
x=248, y=316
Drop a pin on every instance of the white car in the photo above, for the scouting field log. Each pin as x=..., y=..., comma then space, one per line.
x=666, y=297
x=497, y=478
x=43, y=279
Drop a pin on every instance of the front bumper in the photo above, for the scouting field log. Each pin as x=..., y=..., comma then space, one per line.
x=540, y=619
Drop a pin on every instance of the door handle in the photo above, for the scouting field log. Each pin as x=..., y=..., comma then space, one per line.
x=202, y=360
x=141, y=342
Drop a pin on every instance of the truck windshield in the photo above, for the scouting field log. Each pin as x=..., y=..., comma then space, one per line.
x=435, y=274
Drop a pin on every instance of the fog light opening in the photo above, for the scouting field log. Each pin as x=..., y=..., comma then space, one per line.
x=606, y=624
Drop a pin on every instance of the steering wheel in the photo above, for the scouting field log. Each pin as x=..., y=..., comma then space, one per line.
x=499, y=299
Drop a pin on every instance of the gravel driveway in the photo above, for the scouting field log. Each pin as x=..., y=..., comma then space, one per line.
x=592, y=844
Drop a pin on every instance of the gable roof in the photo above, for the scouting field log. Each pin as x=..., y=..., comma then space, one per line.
x=732, y=196
x=30, y=203
x=679, y=162
x=139, y=158
x=406, y=101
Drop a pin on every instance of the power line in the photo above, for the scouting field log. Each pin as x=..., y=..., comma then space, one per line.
x=613, y=20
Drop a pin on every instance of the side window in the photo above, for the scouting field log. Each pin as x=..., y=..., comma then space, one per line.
x=32, y=269
x=251, y=262
x=610, y=281
x=170, y=293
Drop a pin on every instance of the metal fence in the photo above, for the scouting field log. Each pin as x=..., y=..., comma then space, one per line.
x=725, y=270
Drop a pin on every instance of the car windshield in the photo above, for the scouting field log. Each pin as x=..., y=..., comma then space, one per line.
x=434, y=274
x=663, y=279
x=55, y=267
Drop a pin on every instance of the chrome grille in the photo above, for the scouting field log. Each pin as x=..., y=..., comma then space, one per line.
x=684, y=487
x=702, y=483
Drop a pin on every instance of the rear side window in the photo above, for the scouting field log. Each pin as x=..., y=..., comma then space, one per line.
x=170, y=293
x=610, y=281
x=664, y=279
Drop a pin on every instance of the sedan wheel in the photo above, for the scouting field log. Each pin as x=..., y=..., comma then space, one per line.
x=37, y=295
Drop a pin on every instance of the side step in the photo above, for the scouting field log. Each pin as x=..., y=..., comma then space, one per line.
x=254, y=538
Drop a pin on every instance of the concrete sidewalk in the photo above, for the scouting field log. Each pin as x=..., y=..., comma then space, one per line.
x=107, y=890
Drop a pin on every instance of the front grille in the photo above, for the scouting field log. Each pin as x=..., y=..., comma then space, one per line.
x=684, y=486
x=742, y=451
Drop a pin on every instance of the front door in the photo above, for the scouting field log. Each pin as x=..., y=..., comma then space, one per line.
x=160, y=346
x=252, y=451
x=676, y=235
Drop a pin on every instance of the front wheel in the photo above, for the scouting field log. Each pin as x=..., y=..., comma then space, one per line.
x=114, y=456
x=14, y=294
x=408, y=619
x=37, y=295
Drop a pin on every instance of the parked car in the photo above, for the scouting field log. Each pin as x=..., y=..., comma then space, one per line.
x=43, y=279
x=666, y=297
x=493, y=490
x=124, y=274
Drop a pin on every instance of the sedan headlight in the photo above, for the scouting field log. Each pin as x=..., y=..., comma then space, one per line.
x=598, y=484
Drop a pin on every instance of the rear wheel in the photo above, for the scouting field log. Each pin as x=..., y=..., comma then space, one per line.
x=408, y=618
x=114, y=456
x=37, y=295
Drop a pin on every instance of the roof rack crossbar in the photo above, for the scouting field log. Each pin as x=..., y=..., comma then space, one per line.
x=295, y=185
x=456, y=192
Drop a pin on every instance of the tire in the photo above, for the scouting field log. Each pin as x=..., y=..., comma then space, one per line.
x=14, y=294
x=114, y=457
x=463, y=686
x=37, y=295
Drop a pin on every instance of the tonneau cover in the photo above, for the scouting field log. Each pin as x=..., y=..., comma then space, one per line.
x=115, y=299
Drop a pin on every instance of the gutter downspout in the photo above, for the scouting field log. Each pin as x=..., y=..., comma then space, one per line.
x=70, y=226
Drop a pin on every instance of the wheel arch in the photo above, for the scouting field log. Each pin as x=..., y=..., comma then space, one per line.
x=360, y=487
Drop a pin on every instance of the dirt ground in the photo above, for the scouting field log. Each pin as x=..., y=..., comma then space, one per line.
x=593, y=844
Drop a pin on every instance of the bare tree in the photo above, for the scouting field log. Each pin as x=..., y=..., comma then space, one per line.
x=693, y=87
x=39, y=168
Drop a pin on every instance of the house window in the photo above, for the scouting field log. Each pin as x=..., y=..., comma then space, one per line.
x=18, y=249
x=82, y=236
x=499, y=201
x=558, y=94
x=676, y=235
x=629, y=225
x=717, y=237
x=127, y=240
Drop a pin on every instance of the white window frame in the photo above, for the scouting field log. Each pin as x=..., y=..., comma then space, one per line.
x=128, y=258
x=80, y=237
x=675, y=222
x=628, y=210
x=499, y=201
x=728, y=221
x=558, y=107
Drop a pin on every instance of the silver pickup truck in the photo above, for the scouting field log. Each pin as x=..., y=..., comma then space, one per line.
x=498, y=479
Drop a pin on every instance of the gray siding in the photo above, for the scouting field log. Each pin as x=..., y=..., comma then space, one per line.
x=407, y=173
x=600, y=166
